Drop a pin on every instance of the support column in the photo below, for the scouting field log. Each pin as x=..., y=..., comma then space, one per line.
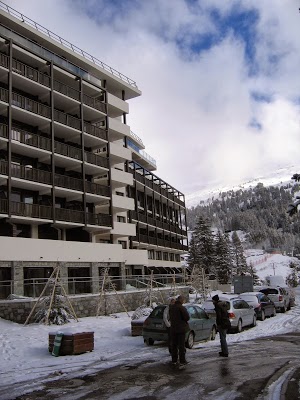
x=95, y=277
x=18, y=279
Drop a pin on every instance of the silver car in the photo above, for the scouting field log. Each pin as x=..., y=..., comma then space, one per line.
x=280, y=297
x=240, y=313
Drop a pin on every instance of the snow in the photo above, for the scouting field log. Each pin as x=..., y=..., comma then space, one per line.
x=25, y=361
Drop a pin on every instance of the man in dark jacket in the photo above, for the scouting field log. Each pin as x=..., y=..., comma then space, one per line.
x=179, y=326
x=223, y=323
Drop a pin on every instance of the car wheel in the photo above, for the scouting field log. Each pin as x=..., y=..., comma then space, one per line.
x=213, y=333
x=283, y=309
x=254, y=320
x=190, y=341
x=149, y=342
x=239, y=327
x=274, y=312
x=262, y=316
x=289, y=307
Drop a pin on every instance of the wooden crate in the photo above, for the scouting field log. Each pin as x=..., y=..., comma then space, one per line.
x=74, y=343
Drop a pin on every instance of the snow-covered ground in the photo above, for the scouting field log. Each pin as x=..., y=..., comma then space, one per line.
x=25, y=361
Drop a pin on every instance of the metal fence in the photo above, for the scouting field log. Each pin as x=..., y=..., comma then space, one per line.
x=33, y=287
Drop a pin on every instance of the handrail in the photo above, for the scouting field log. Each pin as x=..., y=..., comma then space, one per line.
x=65, y=43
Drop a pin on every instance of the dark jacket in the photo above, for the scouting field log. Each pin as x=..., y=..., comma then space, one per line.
x=179, y=318
x=222, y=315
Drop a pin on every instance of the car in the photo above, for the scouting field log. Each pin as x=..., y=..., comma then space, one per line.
x=240, y=313
x=201, y=326
x=280, y=297
x=263, y=305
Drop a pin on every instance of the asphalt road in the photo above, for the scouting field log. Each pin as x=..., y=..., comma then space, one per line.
x=264, y=369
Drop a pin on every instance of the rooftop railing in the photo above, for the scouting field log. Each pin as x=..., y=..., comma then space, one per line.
x=65, y=43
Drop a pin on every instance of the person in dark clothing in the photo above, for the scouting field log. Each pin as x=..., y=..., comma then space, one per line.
x=223, y=323
x=179, y=326
x=166, y=319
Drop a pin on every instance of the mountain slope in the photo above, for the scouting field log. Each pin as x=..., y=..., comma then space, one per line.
x=274, y=178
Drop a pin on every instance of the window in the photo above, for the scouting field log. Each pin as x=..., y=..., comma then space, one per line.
x=166, y=257
x=120, y=218
x=158, y=255
x=151, y=254
x=172, y=257
x=177, y=257
x=120, y=193
x=123, y=243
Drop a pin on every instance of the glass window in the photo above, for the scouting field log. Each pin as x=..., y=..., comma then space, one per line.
x=193, y=312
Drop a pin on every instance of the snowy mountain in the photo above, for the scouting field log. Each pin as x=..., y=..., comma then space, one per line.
x=275, y=178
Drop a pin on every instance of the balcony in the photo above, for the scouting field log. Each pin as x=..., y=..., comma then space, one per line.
x=120, y=178
x=123, y=229
x=30, y=105
x=67, y=119
x=28, y=173
x=119, y=154
x=122, y=203
x=117, y=107
x=4, y=95
x=117, y=130
x=66, y=90
x=31, y=73
x=4, y=131
x=96, y=136
x=99, y=219
x=94, y=103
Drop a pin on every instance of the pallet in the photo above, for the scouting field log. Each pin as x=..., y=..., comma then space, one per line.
x=76, y=343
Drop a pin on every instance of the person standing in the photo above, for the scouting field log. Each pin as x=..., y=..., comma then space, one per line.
x=179, y=326
x=166, y=318
x=223, y=323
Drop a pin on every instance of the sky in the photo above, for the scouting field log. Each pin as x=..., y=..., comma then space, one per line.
x=25, y=362
x=220, y=80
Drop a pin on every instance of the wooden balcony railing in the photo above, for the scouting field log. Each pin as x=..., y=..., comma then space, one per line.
x=68, y=182
x=67, y=150
x=99, y=219
x=4, y=95
x=94, y=188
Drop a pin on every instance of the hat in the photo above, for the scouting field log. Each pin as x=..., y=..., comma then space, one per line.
x=215, y=298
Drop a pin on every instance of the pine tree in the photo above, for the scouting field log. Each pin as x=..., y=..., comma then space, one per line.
x=240, y=264
x=201, y=252
x=293, y=277
x=222, y=259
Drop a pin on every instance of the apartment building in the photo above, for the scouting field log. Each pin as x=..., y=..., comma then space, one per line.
x=76, y=185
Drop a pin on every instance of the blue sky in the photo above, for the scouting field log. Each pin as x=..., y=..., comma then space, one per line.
x=219, y=78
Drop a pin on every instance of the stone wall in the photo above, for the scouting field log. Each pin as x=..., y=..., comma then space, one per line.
x=18, y=310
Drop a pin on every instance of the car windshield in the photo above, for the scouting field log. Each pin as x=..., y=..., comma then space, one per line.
x=269, y=291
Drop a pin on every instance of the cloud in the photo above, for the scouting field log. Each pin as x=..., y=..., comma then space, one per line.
x=201, y=93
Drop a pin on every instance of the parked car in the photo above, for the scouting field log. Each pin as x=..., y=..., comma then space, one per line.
x=202, y=327
x=262, y=304
x=240, y=313
x=280, y=297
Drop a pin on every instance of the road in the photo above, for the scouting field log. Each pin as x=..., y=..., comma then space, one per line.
x=264, y=369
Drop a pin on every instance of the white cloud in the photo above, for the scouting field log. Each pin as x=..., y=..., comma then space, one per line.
x=195, y=110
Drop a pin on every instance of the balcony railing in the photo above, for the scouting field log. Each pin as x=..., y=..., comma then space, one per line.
x=94, y=103
x=68, y=182
x=3, y=205
x=67, y=150
x=94, y=188
x=4, y=60
x=63, y=214
x=95, y=159
x=66, y=90
x=4, y=131
x=99, y=219
x=31, y=73
x=30, y=174
x=4, y=95
x=31, y=105
x=31, y=210
x=95, y=131
x=31, y=139
x=67, y=119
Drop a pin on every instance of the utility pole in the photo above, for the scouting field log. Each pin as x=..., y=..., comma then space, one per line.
x=273, y=268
